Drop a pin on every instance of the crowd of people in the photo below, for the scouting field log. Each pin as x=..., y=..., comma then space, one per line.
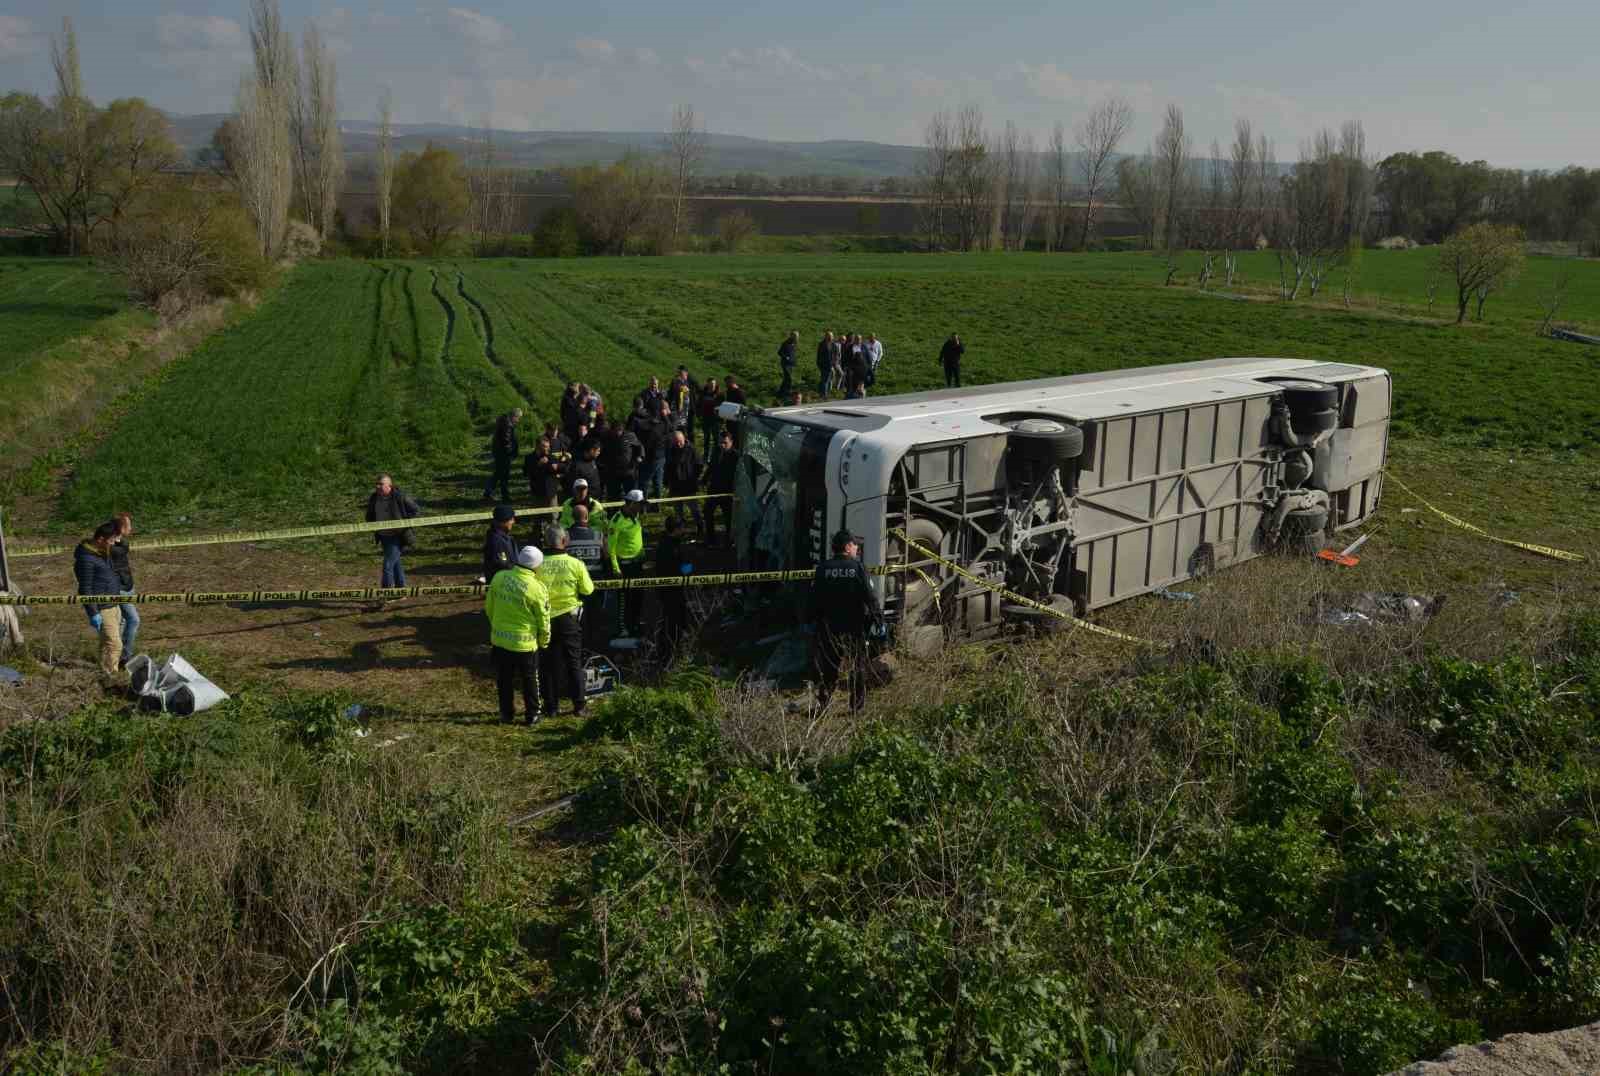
x=541, y=602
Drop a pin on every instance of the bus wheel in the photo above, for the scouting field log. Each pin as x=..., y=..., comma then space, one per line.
x=918, y=588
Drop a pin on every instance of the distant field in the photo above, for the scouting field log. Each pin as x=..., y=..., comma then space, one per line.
x=354, y=367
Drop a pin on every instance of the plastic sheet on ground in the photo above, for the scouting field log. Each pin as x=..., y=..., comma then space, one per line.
x=1374, y=607
x=172, y=686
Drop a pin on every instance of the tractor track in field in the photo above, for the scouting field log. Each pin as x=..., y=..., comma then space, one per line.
x=561, y=375
x=445, y=358
x=488, y=345
x=585, y=315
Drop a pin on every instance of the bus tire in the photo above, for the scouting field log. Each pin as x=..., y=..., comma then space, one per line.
x=1303, y=396
x=918, y=589
x=1314, y=421
x=1043, y=437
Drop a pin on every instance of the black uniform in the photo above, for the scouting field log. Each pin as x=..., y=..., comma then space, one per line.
x=503, y=448
x=843, y=607
x=786, y=358
x=589, y=546
x=950, y=356
x=499, y=551
x=720, y=478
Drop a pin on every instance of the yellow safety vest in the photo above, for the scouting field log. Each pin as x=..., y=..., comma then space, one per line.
x=625, y=538
x=519, y=611
x=597, y=514
x=567, y=582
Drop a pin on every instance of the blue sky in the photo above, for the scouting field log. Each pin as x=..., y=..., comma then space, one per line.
x=1515, y=85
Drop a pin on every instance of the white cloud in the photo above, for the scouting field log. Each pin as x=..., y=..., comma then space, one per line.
x=178, y=32
x=17, y=36
x=478, y=28
x=594, y=48
x=646, y=57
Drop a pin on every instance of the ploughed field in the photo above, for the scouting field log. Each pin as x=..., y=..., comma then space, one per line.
x=351, y=367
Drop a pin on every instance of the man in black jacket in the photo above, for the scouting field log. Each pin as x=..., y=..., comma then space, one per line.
x=91, y=564
x=499, y=547
x=720, y=478
x=683, y=475
x=544, y=477
x=571, y=409
x=388, y=501
x=620, y=457
x=786, y=356
x=950, y=358
x=503, y=448
x=825, y=351
x=588, y=466
x=843, y=608
x=655, y=435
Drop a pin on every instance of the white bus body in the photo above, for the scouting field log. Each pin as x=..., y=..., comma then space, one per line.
x=1080, y=490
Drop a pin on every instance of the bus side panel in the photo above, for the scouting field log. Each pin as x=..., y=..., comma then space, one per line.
x=1157, y=487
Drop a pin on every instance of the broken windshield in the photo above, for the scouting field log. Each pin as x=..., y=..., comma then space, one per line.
x=777, y=491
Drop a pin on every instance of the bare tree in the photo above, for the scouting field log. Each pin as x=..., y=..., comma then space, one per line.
x=934, y=174
x=265, y=163
x=1057, y=191
x=1172, y=154
x=1138, y=191
x=319, y=149
x=686, y=150
x=72, y=143
x=1098, y=138
x=1312, y=223
x=1212, y=231
x=385, y=164
x=972, y=178
x=1358, y=175
x=1551, y=298
x=1017, y=167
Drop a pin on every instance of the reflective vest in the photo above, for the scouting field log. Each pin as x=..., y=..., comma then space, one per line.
x=567, y=582
x=625, y=534
x=588, y=545
x=519, y=611
x=597, y=514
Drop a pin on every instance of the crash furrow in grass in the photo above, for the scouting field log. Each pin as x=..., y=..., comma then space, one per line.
x=439, y=418
x=516, y=351
x=483, y=326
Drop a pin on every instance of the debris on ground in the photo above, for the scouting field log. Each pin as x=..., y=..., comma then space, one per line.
x=354, y=711
x=1174, y=595
x=1572, y=337
x=1373, y=607
x=173, y=687
x=10, y=677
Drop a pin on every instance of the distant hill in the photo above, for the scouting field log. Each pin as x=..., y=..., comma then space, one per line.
x=726, y=154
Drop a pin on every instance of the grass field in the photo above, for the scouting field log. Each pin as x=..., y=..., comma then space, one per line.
x=44, y=301
x=355, y=367
x=1308, y=849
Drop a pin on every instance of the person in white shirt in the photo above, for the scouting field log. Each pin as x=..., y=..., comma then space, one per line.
x=874, y=348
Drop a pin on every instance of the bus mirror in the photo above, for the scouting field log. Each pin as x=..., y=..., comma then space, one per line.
x=729, y=412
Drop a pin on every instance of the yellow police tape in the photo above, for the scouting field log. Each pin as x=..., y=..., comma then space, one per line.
x=1542, y=550
x=145, y=544
x=1018, y=598
x=262, y=597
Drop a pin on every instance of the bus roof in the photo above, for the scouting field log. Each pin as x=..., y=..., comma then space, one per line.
x=922, y=416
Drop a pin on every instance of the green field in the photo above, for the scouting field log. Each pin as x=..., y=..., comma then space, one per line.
x=44, y=301
x=353, y=367
x=1265, y=845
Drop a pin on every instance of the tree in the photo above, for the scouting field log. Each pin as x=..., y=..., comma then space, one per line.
x=934, y=173
x=432, y=196
x=264, y=161
x=136, y=151
x=314, y=123
x=734, y=229
x=385, y=164
x=180, y=244
x=1015, y=187
x=972, y=178
x=1172, y=154
x=1098, y=138
x=1314, y=222
x=1058, y=191
x=685, y=146
x=1241, y=222
x=1481, y=258
x=1137, y=189
x=615, y=203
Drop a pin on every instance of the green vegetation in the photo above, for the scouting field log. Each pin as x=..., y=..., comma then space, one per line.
x=355, y=367
x=44, y=301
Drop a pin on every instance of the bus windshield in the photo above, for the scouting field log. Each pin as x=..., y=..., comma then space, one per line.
x=778, y=492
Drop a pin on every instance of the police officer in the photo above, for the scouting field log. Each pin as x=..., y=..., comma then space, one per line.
x=588, y=544
x=567, y=582
x=581, y=494
x=843, y=609
x=519, y=626
x=499, y=547
x=625, y=549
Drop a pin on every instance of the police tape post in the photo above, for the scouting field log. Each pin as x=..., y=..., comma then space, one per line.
x=333, y=529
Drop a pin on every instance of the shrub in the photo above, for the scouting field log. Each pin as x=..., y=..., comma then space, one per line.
x=735, y=229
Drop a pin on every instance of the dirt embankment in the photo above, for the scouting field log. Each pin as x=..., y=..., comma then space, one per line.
x=1559, y=1053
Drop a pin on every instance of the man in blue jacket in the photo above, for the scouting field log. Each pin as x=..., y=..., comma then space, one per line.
x=91, y=563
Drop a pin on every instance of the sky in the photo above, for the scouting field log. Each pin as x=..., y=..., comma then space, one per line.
x=1516, y=85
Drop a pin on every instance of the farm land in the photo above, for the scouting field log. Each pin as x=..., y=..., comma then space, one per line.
x=1245, y=863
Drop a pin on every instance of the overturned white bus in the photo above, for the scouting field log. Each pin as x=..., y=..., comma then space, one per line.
x=1077, y=491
